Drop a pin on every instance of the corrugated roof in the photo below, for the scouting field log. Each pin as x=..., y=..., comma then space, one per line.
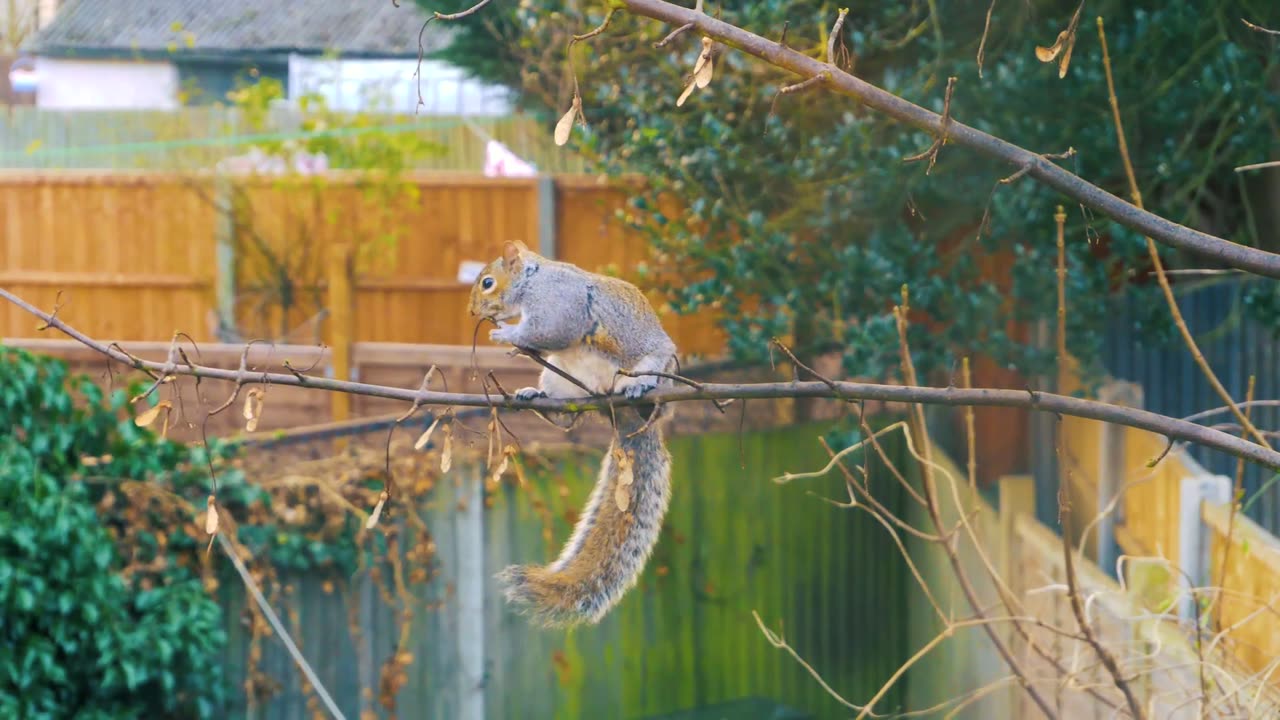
x=366, y=27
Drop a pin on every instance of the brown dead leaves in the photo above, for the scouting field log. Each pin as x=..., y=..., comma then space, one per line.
x=1062, y=47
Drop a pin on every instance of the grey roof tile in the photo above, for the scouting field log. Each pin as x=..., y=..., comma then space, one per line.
x=368, y=27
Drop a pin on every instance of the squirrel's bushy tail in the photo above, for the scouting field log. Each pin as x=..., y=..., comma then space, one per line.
x=609, y=546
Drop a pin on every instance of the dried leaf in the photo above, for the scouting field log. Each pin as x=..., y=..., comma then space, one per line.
x=211, y=516
x=446, y=456
x=377, y=511
x=519, y=473
x=493, y=436
x=622, y=496
x=150, y=416
x=687, y=92
x=565, y=126
x=253, y=408
x=702, y=69
x=425, y=437
x=1063, y=46
x=502, y=467
x=626, y=470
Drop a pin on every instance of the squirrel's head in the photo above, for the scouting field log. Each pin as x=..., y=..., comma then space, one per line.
x=489, y=293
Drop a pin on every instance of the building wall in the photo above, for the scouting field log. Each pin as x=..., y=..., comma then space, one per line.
x=392, y=86
x=106, y=84
x=204, y=82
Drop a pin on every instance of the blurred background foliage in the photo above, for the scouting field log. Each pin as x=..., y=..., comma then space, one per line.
x=801, y=216
x=109, y=589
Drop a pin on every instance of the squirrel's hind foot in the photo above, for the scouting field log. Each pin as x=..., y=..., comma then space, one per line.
x=530, y=393
x=638, y=389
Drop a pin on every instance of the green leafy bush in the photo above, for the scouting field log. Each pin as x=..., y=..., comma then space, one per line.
x=79, y=641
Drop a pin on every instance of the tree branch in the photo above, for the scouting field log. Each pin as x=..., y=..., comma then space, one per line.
x=1167, y=232
x=988, y=397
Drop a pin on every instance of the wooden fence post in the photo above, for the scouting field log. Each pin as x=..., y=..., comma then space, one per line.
x=1194, y=538
x=341, y=308
x=547, y=204
x=469, y=530
x=225, y=253
x=1017, y=497
x=1111, y=470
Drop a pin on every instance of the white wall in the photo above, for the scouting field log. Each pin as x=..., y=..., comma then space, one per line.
x=391, y=86
x=105, y=84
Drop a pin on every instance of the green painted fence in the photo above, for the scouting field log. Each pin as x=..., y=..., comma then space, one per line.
x=829, y=578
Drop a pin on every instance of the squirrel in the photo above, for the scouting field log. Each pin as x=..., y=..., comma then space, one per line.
x=590, y=326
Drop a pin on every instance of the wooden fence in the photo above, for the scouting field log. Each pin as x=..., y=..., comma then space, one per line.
x=1170, y=530
x=1159, y=658
x=140, y=256
x=684, y=638
x=192, y=138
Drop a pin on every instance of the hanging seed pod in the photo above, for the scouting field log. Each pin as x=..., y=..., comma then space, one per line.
x=446, y=455
x=151, y=414
x=377, y=511
x=211, y=516
x=425, y=437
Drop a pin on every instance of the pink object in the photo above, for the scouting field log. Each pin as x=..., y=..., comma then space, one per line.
x=501, y=162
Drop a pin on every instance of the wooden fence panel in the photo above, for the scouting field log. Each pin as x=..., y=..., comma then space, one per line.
x=684, y=638
x=415, y=296
x=137, y=254
x=132, y=254
x=589, y=235
x=1249, y=590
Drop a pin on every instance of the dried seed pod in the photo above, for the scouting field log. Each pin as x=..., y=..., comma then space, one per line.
x=565, y=125
x=377, y=511
x=253, y=408
x=425, y=437
x=446, y=455
x=211, y=516
x=150, y=415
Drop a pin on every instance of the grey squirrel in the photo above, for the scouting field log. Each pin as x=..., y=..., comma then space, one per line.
x=589, y=326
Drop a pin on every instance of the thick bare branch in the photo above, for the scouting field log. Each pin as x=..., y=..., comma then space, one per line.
x=1166, y=231
x=986, y=397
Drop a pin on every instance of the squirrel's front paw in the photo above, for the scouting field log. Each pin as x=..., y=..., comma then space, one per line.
x=638, y=388
x=530, y=393
x=503, y=334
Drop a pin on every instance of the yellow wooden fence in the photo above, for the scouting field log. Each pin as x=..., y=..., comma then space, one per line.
x=1159, y=659
x=1149, y=481
x=139, y=256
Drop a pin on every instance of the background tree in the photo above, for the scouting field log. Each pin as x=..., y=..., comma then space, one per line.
x=803, y=217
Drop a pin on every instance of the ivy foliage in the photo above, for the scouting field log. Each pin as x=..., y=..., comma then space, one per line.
x=106, y=588
x=800, y=214
x=80, y=638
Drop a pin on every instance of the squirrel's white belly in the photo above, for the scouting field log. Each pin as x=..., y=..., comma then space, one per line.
x=591, y=369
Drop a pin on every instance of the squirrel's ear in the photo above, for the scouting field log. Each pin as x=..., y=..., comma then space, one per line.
x=511, y=251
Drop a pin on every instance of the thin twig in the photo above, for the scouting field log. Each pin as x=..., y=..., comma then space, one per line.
x=1064, y=498
x=941, y=139
x=1259, y=166
x=279, y=628
x=835, y=37
x=1158, y=264
x=982, y=44
x=1259, y=28
x=1237, y=495
x=920, y=430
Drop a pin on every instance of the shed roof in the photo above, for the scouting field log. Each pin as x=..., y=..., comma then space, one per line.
x=366, y=28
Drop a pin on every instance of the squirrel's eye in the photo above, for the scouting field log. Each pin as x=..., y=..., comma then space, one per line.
x=487, y=283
